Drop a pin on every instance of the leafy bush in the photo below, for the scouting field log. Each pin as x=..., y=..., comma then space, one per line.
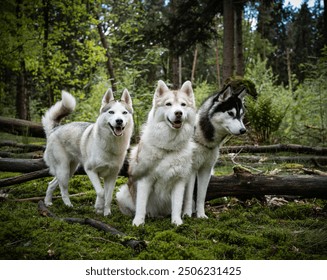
x=265, y=113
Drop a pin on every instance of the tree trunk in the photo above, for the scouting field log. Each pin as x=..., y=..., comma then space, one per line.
x=22, y=98
x=175, y=72
x=218, y=65
x=110, y=67
x=239, y=39
x=228, y=48
x=46, y=11
x=194, y=64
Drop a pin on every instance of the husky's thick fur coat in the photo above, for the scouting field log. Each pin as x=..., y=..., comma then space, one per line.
x=220, y=115
x=160, y=165
x=100, y=147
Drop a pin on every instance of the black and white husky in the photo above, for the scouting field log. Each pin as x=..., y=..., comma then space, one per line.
x=100, y=147
x=220, y=115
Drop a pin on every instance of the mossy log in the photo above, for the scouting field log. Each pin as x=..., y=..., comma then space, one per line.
x=245, y=184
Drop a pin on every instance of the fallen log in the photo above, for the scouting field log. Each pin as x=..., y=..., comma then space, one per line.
x=21, y=165
x=246, y=184
x=137, y=245
x=24, y=178
x=275, y=149
x=21, y=127
x=35, y=169
x=24, y=147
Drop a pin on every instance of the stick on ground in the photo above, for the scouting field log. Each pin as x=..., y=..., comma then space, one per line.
x=137, y=245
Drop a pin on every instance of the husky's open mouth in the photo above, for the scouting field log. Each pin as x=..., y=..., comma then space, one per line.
x=176, y=124
x=117, y=130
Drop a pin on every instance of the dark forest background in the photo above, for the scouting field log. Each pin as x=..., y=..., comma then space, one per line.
x=85, y=46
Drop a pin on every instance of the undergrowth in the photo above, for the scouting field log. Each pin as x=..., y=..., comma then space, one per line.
x=234, y=230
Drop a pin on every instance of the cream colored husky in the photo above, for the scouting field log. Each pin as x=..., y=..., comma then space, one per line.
x=160, y=165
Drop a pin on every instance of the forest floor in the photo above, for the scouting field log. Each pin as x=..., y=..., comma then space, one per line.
x=282, y=228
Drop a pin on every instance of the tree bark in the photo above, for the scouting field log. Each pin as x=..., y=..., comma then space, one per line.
x=175, y=71
x=194, y=64
x=228, y=48
x=109, y=64
x=239, y=39
x=22, y=98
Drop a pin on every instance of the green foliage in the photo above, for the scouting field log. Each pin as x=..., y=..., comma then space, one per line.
x=307, y=121
x=266, y=112
x=202, y=91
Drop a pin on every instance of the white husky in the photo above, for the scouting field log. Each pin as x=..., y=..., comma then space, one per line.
x=100, y=147
x=160, y=165
x=220, y=115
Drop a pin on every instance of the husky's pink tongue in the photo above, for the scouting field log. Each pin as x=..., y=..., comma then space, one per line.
x=177, y=124
x=118, y=131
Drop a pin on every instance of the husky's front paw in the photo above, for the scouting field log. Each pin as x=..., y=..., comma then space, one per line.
x=138, y=221
x=107, y=212
x=99, y=205
x=201, y=216
x=47, y=202
x=187, y=213
x=67, y=202
x=177, y=221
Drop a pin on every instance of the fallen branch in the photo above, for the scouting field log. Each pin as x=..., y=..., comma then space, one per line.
x=321, y=160
x=24, y=178
x=275, y=148
x=37, y=198
x=137, y=245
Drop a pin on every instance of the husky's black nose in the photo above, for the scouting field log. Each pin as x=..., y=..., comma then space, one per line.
x=242, y=130
x=119, y=121
x=178, y=114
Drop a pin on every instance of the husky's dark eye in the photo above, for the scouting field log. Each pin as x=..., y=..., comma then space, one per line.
x=111, y=112
x=125, y=113
x=231, y=114
x=168, y=104
x=183, y=104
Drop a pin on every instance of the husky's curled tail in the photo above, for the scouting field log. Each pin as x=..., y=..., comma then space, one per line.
x=57, y=112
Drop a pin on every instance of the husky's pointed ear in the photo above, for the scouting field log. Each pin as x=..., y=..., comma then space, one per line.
x=187, y=88
x=242, y=94
x=161, y=88
x=227, y=93
x=126, y=98
x=107, y=97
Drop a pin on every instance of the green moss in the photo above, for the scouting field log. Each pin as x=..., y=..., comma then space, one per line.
x=241, y=231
